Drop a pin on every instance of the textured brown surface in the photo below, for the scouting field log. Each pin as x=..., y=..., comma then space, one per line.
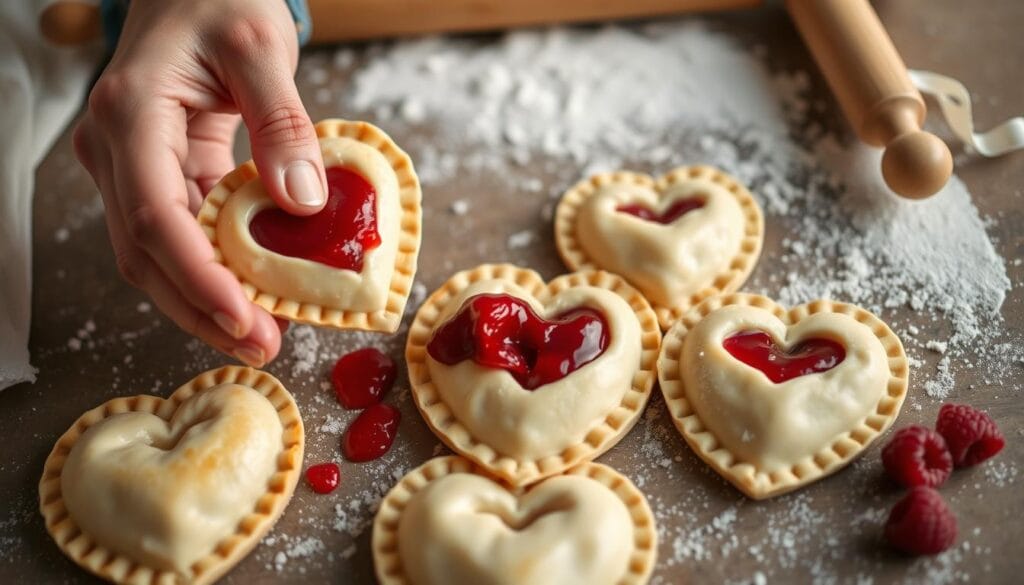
x=76, y=281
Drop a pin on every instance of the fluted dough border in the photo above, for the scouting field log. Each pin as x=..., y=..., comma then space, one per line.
x=746, y=477
x=410, y=235
x=384, y=542
x=740, y=267
x=604, y=436
x=118, y=568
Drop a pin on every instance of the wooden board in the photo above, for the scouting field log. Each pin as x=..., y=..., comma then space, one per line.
x=835, y=520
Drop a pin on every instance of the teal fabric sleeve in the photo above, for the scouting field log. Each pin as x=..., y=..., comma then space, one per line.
x=303, y=23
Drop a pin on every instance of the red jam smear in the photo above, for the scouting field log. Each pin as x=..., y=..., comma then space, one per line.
x=502, y=331
x=361, y=378
x=371, y=434
x=758, y=350
x=324, y=477
x=339, y=236
x=678, y=209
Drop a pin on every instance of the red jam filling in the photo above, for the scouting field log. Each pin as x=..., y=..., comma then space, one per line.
x=810, y=356
x=361, y=378
x=502, y=331
x=339, y=236
x=370, y=436
x=678, y=209
x=323, y=478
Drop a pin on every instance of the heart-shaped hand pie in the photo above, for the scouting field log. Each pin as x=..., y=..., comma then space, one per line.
x=774, y=399
x=528, y=379
x=349, y=266
x=146, y=490
x=693, y=233
x=447, y=522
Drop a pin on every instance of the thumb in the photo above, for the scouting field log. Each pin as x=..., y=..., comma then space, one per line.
x=284, y=143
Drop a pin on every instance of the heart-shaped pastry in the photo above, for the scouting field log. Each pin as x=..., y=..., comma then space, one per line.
x=528, y=379
x=351, y=265
x=447, y=522
x=147, y=490
x=774, y=399
x=694, y=233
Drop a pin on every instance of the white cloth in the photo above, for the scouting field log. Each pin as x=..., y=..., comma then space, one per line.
x=41, y=87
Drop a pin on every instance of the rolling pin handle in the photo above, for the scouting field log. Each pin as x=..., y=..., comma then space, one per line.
x=870, y=81
x=916, y=164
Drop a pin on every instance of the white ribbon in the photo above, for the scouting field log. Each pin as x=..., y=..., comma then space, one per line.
x=955, y=104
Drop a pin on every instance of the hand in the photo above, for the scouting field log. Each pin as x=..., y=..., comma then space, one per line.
x=158, y=135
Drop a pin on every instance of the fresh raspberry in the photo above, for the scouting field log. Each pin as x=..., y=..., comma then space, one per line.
x=917, y=456
x=921, y=523
x=971, y=435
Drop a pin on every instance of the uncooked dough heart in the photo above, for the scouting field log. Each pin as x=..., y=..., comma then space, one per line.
x=339, y=235
x=694, y=233
x=581, y=347
x=349, y=266
x=770, y=420
x=447, y=522
x=564, y=522
x=179, y=489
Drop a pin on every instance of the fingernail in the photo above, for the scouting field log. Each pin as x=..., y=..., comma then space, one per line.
x=302, y=183
x=229, y=325
x=251, y=356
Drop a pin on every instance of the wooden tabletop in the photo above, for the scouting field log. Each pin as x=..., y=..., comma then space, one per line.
x=94, y=338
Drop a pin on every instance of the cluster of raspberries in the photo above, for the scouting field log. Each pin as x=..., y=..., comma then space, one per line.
x=921, y=459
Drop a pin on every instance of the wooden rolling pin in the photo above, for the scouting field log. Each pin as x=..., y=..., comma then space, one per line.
x=871, y=83
x=846, y=38
x=365, y=19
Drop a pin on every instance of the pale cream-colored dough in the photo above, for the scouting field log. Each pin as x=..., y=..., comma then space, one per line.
x=304, y=280
x=532, y=424
x=463, y=528
x=163, y=493
x=667, y=263
x=773, y=426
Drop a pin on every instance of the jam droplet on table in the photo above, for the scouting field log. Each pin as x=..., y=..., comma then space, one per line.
x=339, y=236
x=324, y=477
x=370, y=435
x=676, y=210
x=758, y=350
x=363, y=377
x=502, y=331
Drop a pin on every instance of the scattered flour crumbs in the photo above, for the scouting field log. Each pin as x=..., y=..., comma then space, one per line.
x=562, y=104
x=566, y=103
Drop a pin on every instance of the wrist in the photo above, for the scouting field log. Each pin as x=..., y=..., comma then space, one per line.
x=114, y=12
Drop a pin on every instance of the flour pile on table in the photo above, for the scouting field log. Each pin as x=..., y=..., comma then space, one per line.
x=567, y=103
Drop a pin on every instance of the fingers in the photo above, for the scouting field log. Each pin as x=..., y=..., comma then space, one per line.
x=158, y=244
x=153, y=201
x=284, y=143
x=210, y=140
x=152, y=166
x=263, y=340
x=258, y=346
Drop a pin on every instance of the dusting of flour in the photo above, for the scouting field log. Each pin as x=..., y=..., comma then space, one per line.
x=539, y=110
x=574, y=102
